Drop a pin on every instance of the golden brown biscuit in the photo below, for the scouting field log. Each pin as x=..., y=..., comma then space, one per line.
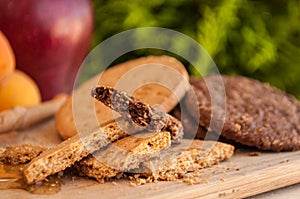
x=153, y=88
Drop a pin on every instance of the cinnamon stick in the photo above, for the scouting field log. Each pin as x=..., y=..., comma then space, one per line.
x=21, y=117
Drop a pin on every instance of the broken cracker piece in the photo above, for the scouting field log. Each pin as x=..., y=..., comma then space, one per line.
x=69, y=151
x=123, y=155
x=140, y=113
x=174, y=163
x=14, y=155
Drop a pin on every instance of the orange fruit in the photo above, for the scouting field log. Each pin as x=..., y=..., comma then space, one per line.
x=7, y=58
x=18, y=90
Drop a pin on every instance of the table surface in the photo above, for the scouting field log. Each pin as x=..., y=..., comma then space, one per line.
x=290, y=192
x=255, y=175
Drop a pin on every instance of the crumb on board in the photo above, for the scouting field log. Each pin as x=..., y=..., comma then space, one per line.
x=222, y=194
x=154, y=188
x=222, y=180
x=256, y=153
x=284, y=161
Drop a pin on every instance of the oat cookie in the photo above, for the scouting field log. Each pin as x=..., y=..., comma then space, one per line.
x=256, y=114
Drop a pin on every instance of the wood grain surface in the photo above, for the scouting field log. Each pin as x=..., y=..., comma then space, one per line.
x=241, y=176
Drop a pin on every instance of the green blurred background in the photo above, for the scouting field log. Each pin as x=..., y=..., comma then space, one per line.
x=259, y=39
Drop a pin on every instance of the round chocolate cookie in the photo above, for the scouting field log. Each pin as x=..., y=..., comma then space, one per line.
x=253, y=113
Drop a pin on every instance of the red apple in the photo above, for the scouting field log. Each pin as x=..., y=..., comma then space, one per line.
x=50, y=39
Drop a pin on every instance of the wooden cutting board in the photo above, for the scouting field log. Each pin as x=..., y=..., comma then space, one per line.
x=241, y=176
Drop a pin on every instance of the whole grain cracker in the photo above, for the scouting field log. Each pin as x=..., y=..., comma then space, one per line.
x=123, y=155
